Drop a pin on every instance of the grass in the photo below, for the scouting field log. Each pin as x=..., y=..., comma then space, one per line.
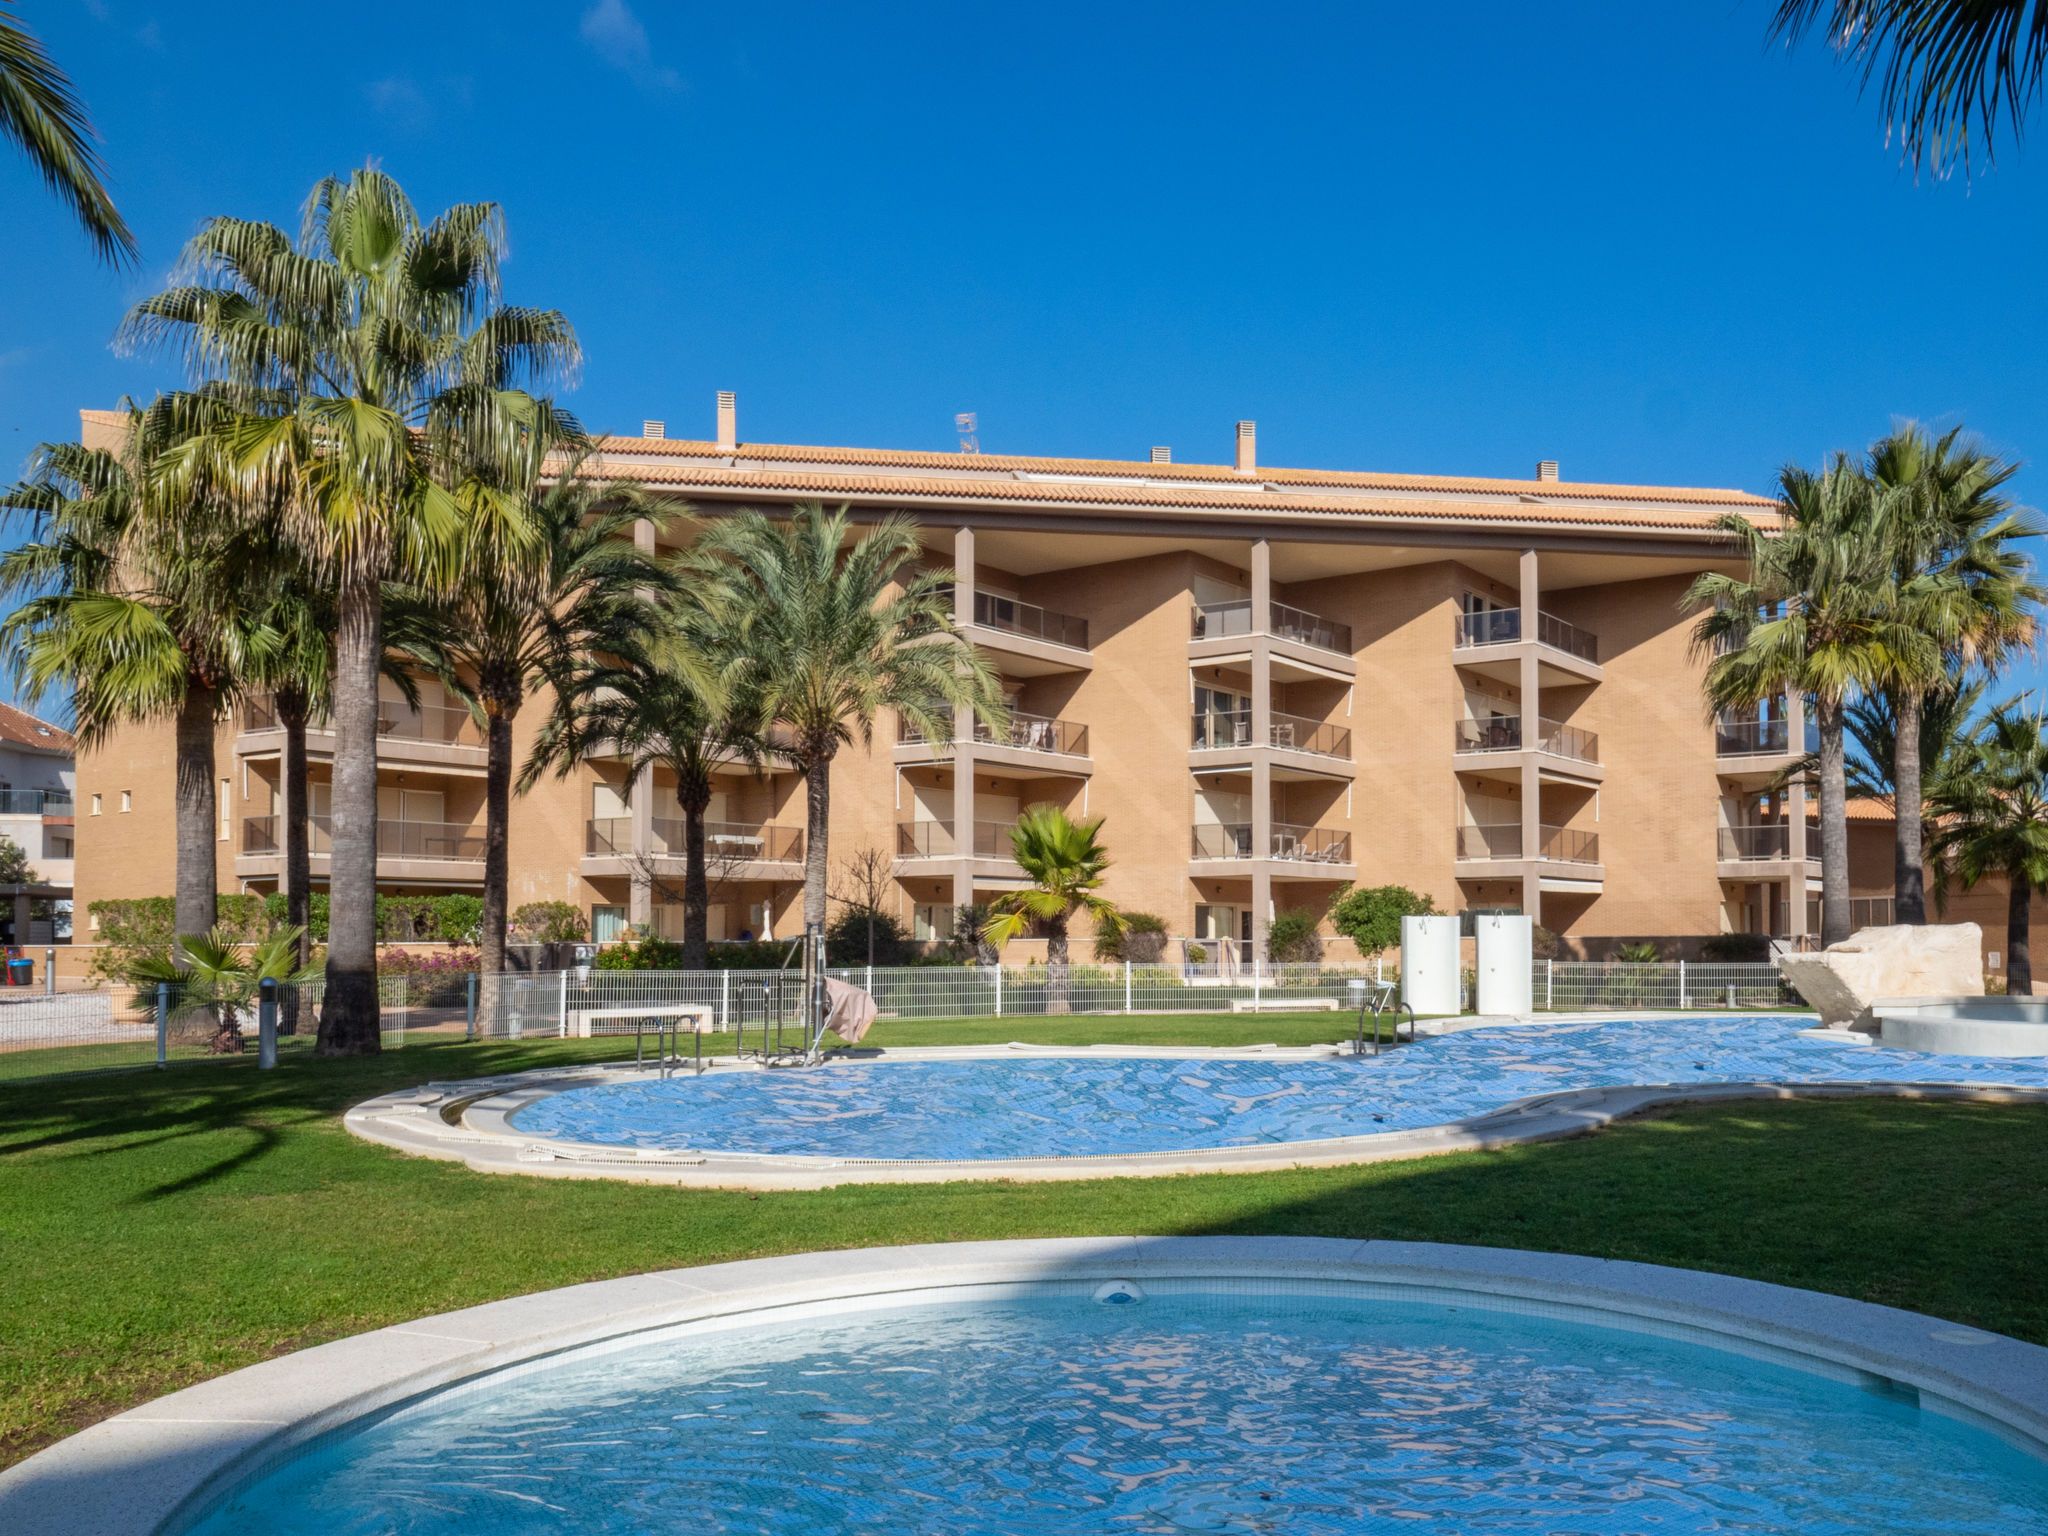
x=158, y=1228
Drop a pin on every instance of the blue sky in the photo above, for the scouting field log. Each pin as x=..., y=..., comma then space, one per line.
x=1634, y=239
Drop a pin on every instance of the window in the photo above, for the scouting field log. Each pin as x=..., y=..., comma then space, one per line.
x=933, y=923
x=95, y=805
x=127, y=801
x=607, y=923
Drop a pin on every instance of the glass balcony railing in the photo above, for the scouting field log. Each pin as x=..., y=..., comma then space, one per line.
x=1756, y=840
x=1503, y=840
x=1298, y=844
x=1030, y=620
x=395, y=839
x=1750, y=738
x=935, y=840
x=1561, y=740
x=1027, y=733
x=1503, y=626
x=725, y=842
x=1571, y=846
x=448, y=725
x=1295, y=733
x=36, y=802
x=1213, y=620
x=1496, y=733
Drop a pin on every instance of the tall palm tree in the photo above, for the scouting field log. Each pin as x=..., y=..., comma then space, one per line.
x=1065, y=860
x=1949, y=65
x=520, y=615
x=375, y=366
x=1992, y=819
x=1948, y=723
x=1815, y=612
x=1957, y=578
x=832, y=636
x=41, y=112
x=141, y=623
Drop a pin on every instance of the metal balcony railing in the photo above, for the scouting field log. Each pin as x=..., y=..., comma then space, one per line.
x=1750, y=738
x=1756, y=840
x=448, y=725
x=1496, y=733
x=1503, y=626
x=1028, y=619
x=1211, y=620
x=1299, y=844
x=935, y=840
x=1561, y=740
x=395, y=839
x=36, y=802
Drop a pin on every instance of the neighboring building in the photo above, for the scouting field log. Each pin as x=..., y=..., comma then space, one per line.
x=37, y=777
x=1270, y=681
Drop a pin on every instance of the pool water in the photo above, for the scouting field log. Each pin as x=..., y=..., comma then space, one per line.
x=1080, y=1107
x=1295, y=1415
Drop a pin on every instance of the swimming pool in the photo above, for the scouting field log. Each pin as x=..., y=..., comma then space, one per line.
x=1071, y=1107
x=1203, y=1406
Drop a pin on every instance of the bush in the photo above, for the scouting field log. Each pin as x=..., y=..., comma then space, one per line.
x=968, y=947
x=1543, y=944
x=439, y=978
x=1737, y=948
x=549, y=922
x=646, y=954
x=132, y=927
x=1142, y=941
x=1371, y=916
x=858, y=933
x=1642, y=953
x=316, y=912
x=458, y=919
x=1292, y=939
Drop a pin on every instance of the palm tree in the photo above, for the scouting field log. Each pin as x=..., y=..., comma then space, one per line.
x=830, y=637
x=1958, y=579
x=212, y=971
x=140, y=622
x=1948, y=64
x=1065, y=860
x=1948, y=723
x=1816, y=612
x=41, y=112
x=522, y=614
x=374, y=366
x=1992, y=819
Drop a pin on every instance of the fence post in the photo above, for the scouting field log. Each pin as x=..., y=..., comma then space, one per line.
x=1681, y=983
x=1550, y=986
x=999, y=989
x=1127, y=986
x=266, y=1023
x=870, y=987
x=469, y=1009
x=163, y=1021
x=50, y=971
x=1258, y=971
x=562, y=1010
x=725, y=1001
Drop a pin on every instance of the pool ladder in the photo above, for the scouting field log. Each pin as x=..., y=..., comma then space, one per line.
x=1381, y=999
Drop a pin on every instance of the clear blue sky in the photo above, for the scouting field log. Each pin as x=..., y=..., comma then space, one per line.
x=1631, y=238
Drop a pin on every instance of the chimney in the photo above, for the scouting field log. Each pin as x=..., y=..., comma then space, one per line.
x=728, y=421
x=653, y=429
x=1546, y=469
x=1162, y=455
x=1247, y=447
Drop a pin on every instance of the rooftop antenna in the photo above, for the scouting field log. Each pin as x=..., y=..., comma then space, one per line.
x=964, y=423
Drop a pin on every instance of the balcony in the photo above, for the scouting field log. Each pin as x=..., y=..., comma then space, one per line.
x=1024, y=733
x=1755, y=840
x=1011, y=617
x=1751, y=738
x=1503, y=626
x=1566, y=845
x=725, y=842
x=935, y=840
x=1561, y=740
x=1296, y=844
x=1219, y=729
x=1503, y=733
x=1213, y=621
x=420, y=840
x=36, y=802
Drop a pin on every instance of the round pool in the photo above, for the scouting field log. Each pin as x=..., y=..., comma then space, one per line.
x=1077, y=1107
x=1157, y=1407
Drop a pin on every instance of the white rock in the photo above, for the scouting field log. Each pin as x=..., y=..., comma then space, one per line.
x=1842, y=981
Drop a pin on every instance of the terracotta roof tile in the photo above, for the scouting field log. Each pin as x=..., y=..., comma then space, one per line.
x=24, y=729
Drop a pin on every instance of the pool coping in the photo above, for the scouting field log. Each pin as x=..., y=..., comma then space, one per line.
x=415, y=1120
x=159, y=1467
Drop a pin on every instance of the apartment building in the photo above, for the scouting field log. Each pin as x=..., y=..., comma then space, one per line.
x=36, y=780
x=1267, y=681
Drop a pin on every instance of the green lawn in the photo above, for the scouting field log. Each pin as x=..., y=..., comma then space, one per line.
x=157, y=1228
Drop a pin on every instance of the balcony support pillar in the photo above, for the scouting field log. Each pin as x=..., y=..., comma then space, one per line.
x=1795, y=835
x=1262, y=736
x=963, y=732
x=640, y=884
x=1532, y=737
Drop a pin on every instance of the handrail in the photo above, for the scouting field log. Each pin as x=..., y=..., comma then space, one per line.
x=1378, y=997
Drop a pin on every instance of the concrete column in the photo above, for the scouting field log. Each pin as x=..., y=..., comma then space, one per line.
x=1795, y=816
x=1532, y=733
x=963, y=731
x=640, y=892
x=1262, y=739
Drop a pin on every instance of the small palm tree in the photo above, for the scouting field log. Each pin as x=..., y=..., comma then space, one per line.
x=1816, y=612
x=830, y=637
x=41, y=112
x=373, y=369
x=1949, y=65
x=521, y=614
x=1065, y=860
x=1992, y=819
x=211, y=970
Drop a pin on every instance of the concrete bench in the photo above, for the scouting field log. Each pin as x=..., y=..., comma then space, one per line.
x=1275, y=1002
x=698, y=1018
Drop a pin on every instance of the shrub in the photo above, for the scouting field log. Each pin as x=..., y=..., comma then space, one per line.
x=756, y=955
x=1142, y=941
x=458, y=919
x=1292, y=939
x=645, y=954
x=1737, y=948
x=1543, y=944
x=316, y=912
x=133, y=927
x=1641, y=953
x=439, y=978
x=549, y=922
x=858, y=932
x=1370, y=916
x=968, y=946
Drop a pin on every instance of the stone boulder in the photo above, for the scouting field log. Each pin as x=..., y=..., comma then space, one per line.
x=1843, y=980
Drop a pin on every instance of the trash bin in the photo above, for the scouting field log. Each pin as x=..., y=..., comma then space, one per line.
x=21, y=973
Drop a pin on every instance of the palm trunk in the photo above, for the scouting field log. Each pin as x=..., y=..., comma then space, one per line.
x=196, y=908
x=1834, y=826
x=1056, y=993
x=2019, y=965
x=497, y=838
x=696, y=887
x=817, y=807
x=298, y=853
x=349, y=1023
x=1909, y=891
